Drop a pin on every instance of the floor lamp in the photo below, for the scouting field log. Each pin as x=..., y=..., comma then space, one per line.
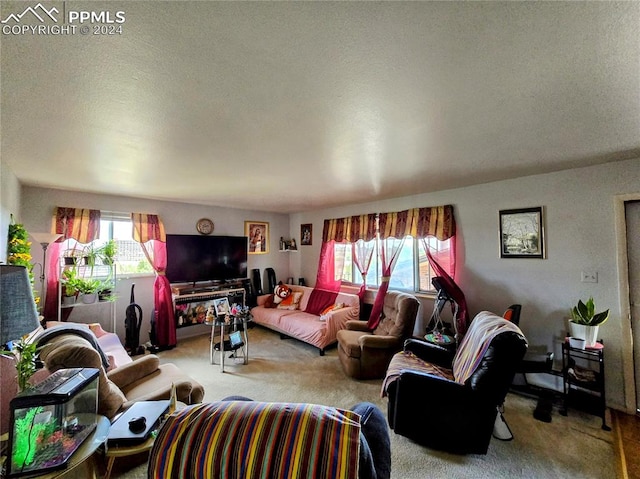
x=45, y=239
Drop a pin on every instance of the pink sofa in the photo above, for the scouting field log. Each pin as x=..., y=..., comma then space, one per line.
x=315, y=329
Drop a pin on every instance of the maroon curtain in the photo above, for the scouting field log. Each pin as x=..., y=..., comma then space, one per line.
x=82, y=225
x=461, y=319
x=326, y=278
x=149, y=231
x=393, y=228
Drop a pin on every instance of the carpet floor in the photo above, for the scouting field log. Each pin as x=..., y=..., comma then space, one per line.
x=287, y=370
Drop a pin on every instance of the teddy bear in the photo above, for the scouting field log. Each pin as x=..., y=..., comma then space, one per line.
x=280, y=293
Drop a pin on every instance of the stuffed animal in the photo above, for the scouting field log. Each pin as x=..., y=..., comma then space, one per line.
x=281, y=292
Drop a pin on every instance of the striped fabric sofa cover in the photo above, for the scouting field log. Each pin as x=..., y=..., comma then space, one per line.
x=250, y=439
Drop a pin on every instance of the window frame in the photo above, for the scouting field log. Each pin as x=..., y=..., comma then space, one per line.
x=416, y=246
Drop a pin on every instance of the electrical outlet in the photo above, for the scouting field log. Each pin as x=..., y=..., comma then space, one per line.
x=589, y=277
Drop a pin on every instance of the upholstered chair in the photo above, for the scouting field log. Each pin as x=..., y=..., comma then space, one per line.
x=365, y=354
x=144, y=379
x=452, y=405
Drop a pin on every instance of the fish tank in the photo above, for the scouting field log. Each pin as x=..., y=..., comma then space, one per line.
x=50, y=421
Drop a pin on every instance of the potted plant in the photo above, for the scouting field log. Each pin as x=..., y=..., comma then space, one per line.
x=71, y=286
x=89, y=289
x=105, y=290
x=584, y=322
x=25, y=354
x=108, y=252
x=90, y=254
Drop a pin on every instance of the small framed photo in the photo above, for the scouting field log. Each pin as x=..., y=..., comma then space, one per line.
x=258, y=234
x=522, y=233
x=221, y=306
x=306, y=234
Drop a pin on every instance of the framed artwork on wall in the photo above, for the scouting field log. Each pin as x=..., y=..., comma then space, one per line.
x=306, y=234
x=522, y=233
x=258, y=234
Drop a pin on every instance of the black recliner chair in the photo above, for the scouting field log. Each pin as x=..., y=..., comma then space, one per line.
x=428, y=406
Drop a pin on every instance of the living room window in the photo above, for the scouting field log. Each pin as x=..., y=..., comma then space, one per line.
x=130, y=258
x=411, y=273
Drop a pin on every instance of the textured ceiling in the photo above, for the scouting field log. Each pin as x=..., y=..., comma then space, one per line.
x=297, y=106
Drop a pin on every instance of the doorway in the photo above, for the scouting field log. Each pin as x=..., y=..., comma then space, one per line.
x=632, y=220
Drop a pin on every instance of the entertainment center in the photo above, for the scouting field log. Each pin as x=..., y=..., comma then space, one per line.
x=202, y=269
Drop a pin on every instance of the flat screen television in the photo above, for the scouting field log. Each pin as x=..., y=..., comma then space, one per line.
x=193, y=258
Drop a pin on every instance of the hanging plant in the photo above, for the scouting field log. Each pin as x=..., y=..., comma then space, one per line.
x=19, y=251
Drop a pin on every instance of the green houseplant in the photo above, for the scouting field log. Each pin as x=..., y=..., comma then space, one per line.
x=585, y=321
x=107, y=252
x=71, y=285
x=584, y=313
x=25, y=354
x=88, y=287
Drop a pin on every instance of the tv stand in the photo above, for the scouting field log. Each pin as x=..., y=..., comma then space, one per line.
x=190, y=304
x=206, y=287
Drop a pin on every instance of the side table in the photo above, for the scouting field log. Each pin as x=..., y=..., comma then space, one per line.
x=235, y=325
x=113, y=452
x=584, y=386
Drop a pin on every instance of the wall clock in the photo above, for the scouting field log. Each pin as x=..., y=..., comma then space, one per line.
x=204, y=226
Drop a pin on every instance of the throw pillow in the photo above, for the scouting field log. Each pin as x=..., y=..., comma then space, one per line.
x=329, y=309
x=291, y=303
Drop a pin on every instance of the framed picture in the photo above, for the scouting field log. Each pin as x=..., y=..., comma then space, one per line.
x=258, y=234
x=221, y=306
x=306, y=234
x=522, y=233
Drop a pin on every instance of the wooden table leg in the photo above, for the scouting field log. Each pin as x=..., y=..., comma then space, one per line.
x=110, y=462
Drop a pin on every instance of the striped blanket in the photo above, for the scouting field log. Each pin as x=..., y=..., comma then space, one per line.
x=249, y=439
x=484, y=327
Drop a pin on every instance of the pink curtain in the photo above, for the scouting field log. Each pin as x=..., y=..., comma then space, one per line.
x=345, y=230
x=361, y=235
x=148, y=230
x=362, y=254
x=393, y=228
x=326, y=277
x=462, y=318
x=82, y=225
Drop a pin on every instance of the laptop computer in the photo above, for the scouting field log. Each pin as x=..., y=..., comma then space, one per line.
x=121, y=435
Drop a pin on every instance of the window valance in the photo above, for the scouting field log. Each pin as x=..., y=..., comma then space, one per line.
x=350, y=229
x=437, y=221
x=83, y=225
x=147, y=227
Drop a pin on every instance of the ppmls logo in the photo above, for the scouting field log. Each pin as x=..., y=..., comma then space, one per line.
x=17, y=18
x=101, y=22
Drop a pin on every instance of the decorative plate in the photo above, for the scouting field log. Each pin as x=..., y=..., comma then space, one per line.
x=204, y=226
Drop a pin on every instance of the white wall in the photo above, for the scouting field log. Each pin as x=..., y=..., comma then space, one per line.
x=9, y=205
x=580, y=235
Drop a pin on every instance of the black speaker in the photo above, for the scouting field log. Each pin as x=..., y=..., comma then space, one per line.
x=271, y=279
x=256, y=282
